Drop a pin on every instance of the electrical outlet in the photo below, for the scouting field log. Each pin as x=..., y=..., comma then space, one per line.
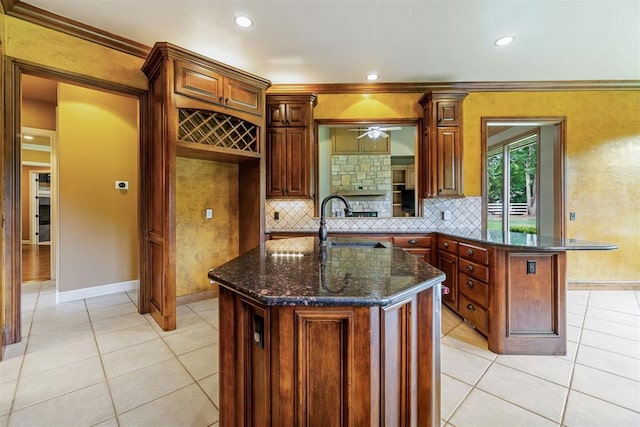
x=572, y=216
x=209, y=213
x=446, y=215
x=276, y=215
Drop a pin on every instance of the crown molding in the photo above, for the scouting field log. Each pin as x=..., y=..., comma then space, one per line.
x=18, y=9
x=511, y=86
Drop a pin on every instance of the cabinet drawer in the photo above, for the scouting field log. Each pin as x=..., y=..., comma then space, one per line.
x=474, y=289
x=473, y=253
x=474, y=313
x=476, y=271
x=412, y=241
x=448, y=245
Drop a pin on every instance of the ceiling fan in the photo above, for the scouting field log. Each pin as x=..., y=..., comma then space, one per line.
x=374, y=132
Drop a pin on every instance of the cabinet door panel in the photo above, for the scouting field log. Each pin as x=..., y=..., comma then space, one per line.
x=242, y=96
x=276, y=115
x=296, y=114
x=198, y=82
x=448, y=113
x=297, y=163
x=449, y=155
x=276, y=149
x=448, y=264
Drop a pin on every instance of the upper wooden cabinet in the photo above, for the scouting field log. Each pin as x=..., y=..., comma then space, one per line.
x=289, y=154
x=287, y=113
x=442, y=152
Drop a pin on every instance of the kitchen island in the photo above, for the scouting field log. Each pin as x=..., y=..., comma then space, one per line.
x=345, y=335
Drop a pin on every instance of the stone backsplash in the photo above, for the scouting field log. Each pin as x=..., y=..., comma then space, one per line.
x=298, y=215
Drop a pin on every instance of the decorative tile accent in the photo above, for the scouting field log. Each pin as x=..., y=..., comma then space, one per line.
x=298, y=215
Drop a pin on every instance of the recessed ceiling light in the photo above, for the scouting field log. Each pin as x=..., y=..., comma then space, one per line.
x=243, y=21
x=27, y=137
x=373, y=76
x=504, y=40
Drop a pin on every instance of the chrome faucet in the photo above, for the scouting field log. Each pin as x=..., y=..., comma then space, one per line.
x=322, y=233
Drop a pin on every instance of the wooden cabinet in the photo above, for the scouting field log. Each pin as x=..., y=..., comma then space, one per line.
x=516, y=298
x=447, y=262
x=473, y=285
x=202, y=109
x=418, y=245
x=212, y=86
x=528, y=308
x=335, y=365
x=441, y=154
x=289, y=154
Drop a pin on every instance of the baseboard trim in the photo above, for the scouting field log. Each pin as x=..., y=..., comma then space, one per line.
x=198, y=296
x=623, y=285
x=97, y=291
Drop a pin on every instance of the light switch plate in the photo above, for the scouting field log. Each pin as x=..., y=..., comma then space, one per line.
x=209, y=213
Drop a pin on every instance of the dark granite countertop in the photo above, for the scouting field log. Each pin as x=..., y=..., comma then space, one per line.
x=512, y=240
x=528, y=241
x=298, y=271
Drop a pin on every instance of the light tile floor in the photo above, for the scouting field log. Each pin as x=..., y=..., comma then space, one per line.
x=96, y=362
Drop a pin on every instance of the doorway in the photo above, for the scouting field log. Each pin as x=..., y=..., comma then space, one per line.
x=523, y=176
x=105, y=215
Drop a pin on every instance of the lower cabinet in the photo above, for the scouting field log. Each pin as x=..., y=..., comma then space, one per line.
x=515, y=297
x=330, y=366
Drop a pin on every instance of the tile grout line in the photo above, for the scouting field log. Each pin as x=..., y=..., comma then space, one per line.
x=574, y=362
x=104, y=371
x=24, y=355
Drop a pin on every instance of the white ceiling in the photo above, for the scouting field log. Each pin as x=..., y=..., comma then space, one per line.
x=340, y=41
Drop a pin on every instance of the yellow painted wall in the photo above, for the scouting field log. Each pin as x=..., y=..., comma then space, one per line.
x=33, y=43
x=201, y=243
x=365, y=106
x=603, y=158
x=98, y=144
x=38, y=114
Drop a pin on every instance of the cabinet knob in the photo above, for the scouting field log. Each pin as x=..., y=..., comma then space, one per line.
x=469, y=251
x=470, y=307
x=470, y=284
x=445, y=244
x=445, y=290
x=226, y=100
x=283, y=122
x=412, y=241
x=470, y=267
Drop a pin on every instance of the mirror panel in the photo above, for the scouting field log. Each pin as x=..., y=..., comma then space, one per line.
x=371, y=164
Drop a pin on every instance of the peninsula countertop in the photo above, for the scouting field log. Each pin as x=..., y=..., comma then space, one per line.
x=513, y=240
x=298, y=271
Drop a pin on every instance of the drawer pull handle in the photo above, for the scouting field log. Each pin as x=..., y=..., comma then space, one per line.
x=470, y=284
x=470, y=267
x=469, y=251
x=470, y=307
x=412, y=241
x=445, y=244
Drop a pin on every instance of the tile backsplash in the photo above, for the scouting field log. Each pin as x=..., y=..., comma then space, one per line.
x=298, y=215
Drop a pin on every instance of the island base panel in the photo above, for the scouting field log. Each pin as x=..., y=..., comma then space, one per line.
x=318, y=366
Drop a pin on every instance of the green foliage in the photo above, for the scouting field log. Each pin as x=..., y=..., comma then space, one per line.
x=529, y=229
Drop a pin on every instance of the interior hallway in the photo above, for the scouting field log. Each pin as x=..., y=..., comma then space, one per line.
x=96, y=362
